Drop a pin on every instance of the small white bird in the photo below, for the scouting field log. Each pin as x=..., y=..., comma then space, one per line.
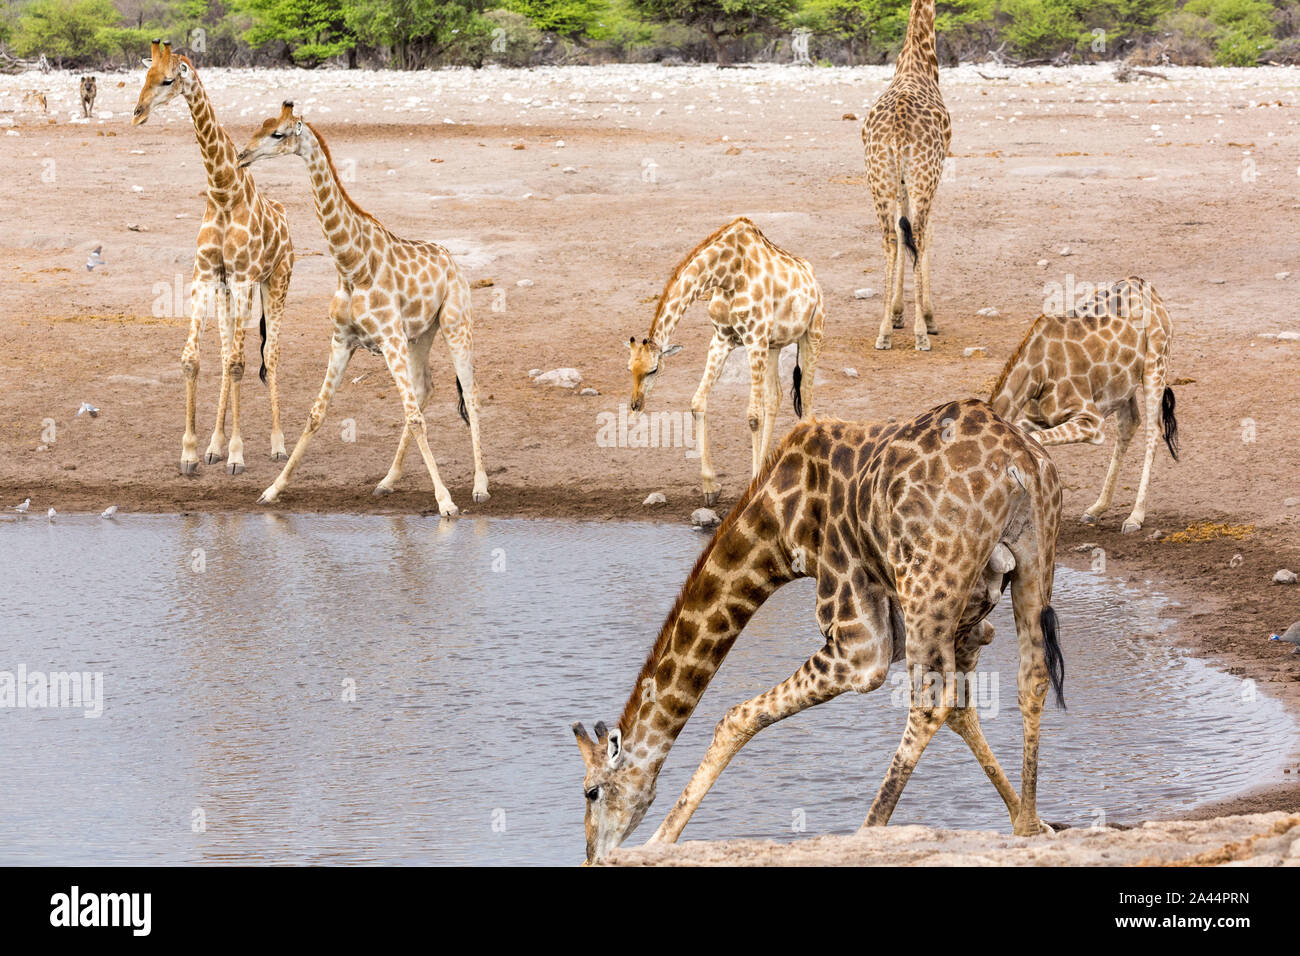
x=109, y=512
x=94, y=259
x=22, y=508
x=52, y=514
x=89, y=409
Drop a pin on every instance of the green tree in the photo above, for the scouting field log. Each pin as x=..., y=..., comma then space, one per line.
x=65, y=30
x=312, y=31
x=720, y=20
x=1243, y=29
x=568, y=18
x=419, y=32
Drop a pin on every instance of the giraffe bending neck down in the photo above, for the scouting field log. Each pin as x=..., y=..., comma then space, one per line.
x=912, y=531
x=394, y=296
x=906, y=137
x=241, y=267
x=762, y=298
x=1072, y=372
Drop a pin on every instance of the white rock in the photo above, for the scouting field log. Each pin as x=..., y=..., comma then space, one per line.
x=1042, y=263
x=655, y=498
x=1291, y=503
x=864, y=293
x=975, y=351
x=705, y=518
x=1284, y=576
x=534, y=372
x=990, y=312
x=560, y=378
x=851, y=372
x=524, y=283
x=570, y=169
x=1288, y=336
x=589, y=391
x=1281, y=275
x=1065, y=251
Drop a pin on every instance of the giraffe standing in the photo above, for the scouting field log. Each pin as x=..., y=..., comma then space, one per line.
x=762, y=298
x=394, y=295
x=1072, y=372
x=906, y=137
x=912, y=531
x=241, y=268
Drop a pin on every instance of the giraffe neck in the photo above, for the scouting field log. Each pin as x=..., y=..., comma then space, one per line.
x=919, y=54
x=225, y=178
x=347, y=229
x=733, y=577
x=700, y=273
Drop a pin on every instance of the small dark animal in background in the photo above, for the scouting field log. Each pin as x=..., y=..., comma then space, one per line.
x=87, y=95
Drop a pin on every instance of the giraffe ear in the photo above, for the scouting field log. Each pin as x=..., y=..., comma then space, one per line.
x=298, y=128
x=671, y=350
x=614, y=748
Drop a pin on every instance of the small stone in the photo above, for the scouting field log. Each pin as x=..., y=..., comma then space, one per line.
x=705, y=518
x=1288, y=336
x=990, y=312
x=1065, y=251
x=560, y=378
x=1281, y=275
x=975, y=351
x=534, y=372
x=1284, y=576
x=655, y=498
x=1042, y=263
x=1218, y=281
x=732, y=151
x=1155, y=535
x=864, y=293
x=851, y=117
x=851, y=372
x=570, y=169
x=69, y=466
x=524, y=283
x=1086, y=548
x=589, y=391
x=559, y=144
x=1291, y=503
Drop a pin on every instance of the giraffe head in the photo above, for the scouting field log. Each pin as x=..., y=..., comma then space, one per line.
x=169, y=73
x=281, y=135
x=643, y=363
x=617, y=791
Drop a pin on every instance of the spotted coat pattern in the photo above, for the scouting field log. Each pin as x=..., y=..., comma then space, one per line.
x=912, y=531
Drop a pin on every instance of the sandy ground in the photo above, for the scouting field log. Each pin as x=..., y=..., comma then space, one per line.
x=575, y=191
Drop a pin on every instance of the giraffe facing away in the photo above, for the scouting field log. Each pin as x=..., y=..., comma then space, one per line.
x=912, y=531
x=906, y=137
x=241, y=267
x=394, y=296
x=1107, y=356
x=762, y=298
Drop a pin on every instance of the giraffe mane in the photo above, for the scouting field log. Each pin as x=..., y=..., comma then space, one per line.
x=689, y=257
x=651, y=664
x=1016, y=356
x=329, y=160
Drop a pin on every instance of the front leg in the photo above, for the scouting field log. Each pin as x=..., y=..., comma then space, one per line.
x=758, y=359
x=719, y=349
x=245, y=302
x=219, y=308
x=1082, y=426
x=397, y=354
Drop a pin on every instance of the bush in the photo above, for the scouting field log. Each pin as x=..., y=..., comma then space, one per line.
x=514, y=39
x=1226, y=32
x=66, y=31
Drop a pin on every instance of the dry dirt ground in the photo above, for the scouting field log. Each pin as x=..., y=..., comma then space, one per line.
x=575, y=191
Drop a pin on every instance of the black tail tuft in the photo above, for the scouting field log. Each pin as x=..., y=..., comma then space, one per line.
x=908, y=240
x=796, y=390
x=261, y=373
x=1052, y=648
x=460, y=395
x=1168, y=423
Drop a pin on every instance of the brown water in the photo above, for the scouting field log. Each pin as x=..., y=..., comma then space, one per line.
x=228, y=644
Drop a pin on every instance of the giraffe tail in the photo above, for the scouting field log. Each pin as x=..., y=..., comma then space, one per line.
x=460, y=396
x=261, y=327
x=1169, y=424
x=796, y=390
x=1052, y=651
x=909, y=241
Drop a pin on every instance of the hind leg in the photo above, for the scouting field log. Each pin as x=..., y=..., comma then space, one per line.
x=218, y=306
x=275, y=292
x=1153, y=385
x=1126, y=418
x=924, y=318
x=893, y=292
x=1032, y=681
x=923, y=277
x=771, y=401
x=423, y=391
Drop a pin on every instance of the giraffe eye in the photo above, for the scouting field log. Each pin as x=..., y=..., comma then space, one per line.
x=167, y=82
x=593, y=794
x=277, y=136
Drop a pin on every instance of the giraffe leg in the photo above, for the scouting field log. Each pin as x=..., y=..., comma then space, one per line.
x=220, y=305
x=1032, y=679
x=1126, y=418
x=924, y=317
x=771, y=402
x=893, y=272
x=397, y=355
x=423, y=392
x=964, y=718
x=245, y=302
x=899, y=273
x=855, y=658
x=457, y=333
x=1153, y=383
x=340, y=355
x=923, y=278
x=810, y=347
x=758, y=361
x=200, y=295
x=719, y=349
x=1083, y=426
x=274, y=294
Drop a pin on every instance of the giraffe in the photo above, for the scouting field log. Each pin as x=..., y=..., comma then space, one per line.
x=393, y=296
x=241, y=267
x=912, y=531
x=906, y=137
x=1072, y=372
x=762, y=298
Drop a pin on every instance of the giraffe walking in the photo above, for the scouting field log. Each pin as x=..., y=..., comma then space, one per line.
x=241, y=267
x=762, y=298
x=1072, y=372
x=906, y=137
x=912, y=531
x=394, y=296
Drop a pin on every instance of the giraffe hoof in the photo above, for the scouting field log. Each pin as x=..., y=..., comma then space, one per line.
x=382, y=490
x=898, y=321
x=1088, y=518
x=711, y=498
x=922, y=343
x=189, y=468
x=212, y=458
x=448, y=512
x=279, y=456
x=268, y=496
x=883, y=344
x=235, y=468
x=1130, y=526
x=480, y=497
